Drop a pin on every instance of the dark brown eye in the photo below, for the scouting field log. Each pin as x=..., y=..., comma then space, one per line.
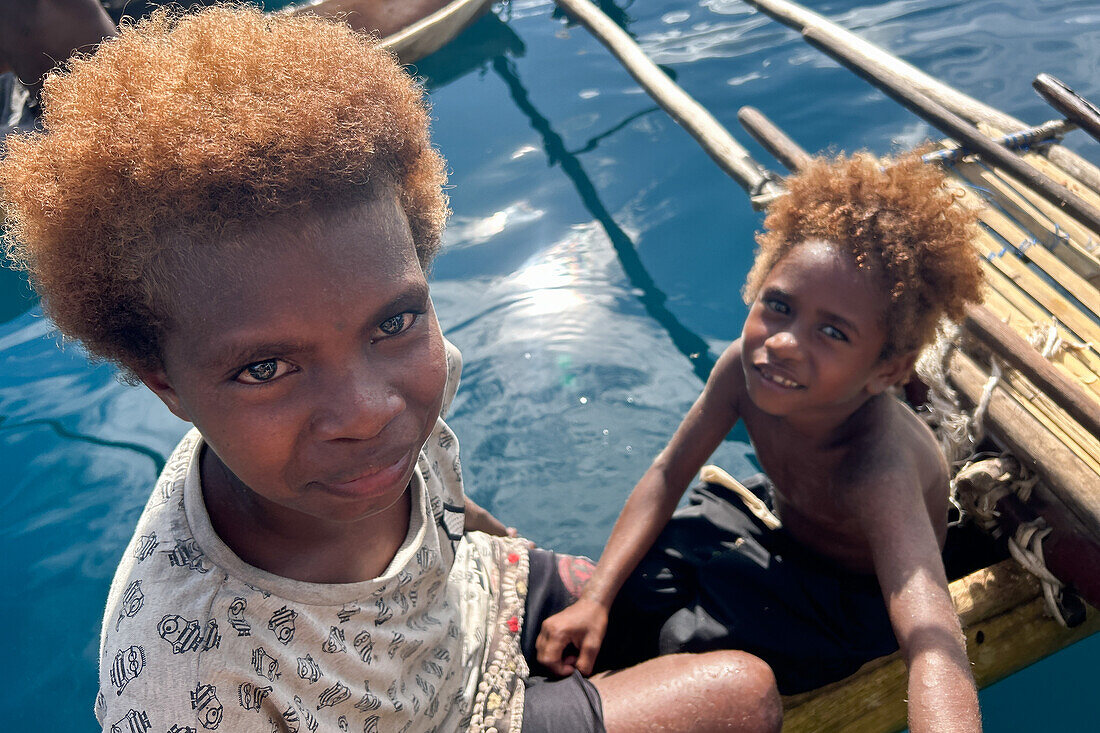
x=393, y=326
x=262, y=371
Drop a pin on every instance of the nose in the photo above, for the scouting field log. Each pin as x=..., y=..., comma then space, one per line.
x=784, y=344
x=356, y=403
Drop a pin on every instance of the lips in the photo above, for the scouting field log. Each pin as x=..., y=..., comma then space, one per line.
x=775, y=376
x=374, y=481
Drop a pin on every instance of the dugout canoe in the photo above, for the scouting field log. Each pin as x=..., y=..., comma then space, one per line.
x=1022, y=376
x=415, y=41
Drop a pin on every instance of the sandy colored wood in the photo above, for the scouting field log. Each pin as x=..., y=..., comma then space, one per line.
x=1064, y=473
x=1053, y=418
x=801, y=19
x=1001, y=605
x=689, y=114
x=1083, y=327
x=1066, y=362
x=1034, y=220
x=415, y=41
x=1080, y=408
x=1080, y=238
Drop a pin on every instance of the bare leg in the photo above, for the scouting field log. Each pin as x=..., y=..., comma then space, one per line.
x=694, y=693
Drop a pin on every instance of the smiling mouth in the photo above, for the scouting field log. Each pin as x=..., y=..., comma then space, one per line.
x=775, y=378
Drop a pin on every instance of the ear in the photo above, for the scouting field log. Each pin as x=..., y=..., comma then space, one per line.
x=157, y=381
x=891, y=371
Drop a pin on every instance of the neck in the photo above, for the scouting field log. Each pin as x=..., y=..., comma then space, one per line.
x=833, y=428
x=288, y=543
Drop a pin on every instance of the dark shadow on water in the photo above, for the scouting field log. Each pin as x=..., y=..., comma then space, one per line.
x=64, y=432
x=653, y=298
x=486, y=38
x=16, y=295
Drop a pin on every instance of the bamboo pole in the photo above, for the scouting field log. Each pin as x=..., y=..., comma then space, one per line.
x=1069, y=103
x=688, y=113
x=1033, y=445
x=1006, y=627
x=764, y=131
x=1019, y=354
x=960, y=129
x=1036, y=218
x=875, y=58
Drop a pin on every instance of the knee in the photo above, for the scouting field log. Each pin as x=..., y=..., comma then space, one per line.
x=744, y=687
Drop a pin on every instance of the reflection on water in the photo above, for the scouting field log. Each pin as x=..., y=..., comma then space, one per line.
x=566, y=381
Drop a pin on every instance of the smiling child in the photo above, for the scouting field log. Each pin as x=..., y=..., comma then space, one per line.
x=856, y=266
x=239, y=211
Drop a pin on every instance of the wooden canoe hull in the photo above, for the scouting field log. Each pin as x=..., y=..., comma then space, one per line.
x=415, y=41
x=1006, y=626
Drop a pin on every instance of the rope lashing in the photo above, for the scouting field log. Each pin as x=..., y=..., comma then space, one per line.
x=977, y=488
x=1026, y=548
x=1048, y=132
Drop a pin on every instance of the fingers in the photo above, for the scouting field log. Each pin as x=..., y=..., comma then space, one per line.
x=586, y=662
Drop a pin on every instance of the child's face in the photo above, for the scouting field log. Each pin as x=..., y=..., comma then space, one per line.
x=813, y=337
x=310, y=360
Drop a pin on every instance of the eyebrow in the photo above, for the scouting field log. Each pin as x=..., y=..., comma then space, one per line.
x=775, y=292
x=239, y=353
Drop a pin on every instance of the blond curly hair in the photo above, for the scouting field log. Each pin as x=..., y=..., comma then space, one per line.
x=193, y=125
x=898, y=218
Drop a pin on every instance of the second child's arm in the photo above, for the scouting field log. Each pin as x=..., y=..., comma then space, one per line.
x=942, y=694
x=645, y=514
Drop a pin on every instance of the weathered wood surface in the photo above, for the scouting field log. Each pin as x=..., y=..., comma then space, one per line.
x=801, y=19
x=1069, y=103
x=962, y=130
x=1033, y=445
x=1006, y=627
x=1018, y=353
x=417, y=40
x=730, y=156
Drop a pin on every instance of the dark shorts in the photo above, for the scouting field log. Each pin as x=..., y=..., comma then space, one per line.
x=717, y=578
x=571, y=704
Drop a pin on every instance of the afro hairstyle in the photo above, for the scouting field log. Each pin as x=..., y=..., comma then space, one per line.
x=898, y=219
x=190, y=127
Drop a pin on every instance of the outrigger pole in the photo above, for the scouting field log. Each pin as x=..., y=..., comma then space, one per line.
x=875, y=61
x=689, y=114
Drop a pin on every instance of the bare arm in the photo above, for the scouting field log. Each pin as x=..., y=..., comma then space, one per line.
x=942, y=694
x=645, y=514
x=478, y=519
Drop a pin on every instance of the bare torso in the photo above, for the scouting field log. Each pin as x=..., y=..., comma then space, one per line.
x=819, y=489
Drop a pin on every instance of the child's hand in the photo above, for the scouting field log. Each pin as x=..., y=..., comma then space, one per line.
x=580, y=627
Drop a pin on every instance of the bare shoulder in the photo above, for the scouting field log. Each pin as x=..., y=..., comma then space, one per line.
x=900, y=466
x=726, y=383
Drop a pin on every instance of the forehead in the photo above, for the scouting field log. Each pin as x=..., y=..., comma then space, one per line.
x=293, y=265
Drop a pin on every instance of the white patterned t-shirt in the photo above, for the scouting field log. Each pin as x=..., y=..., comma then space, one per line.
x=196, y=639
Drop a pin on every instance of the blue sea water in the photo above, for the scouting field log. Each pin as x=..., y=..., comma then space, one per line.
x=590, y=276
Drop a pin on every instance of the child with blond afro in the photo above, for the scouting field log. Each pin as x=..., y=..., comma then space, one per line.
x=239, y=211
x=856, y=266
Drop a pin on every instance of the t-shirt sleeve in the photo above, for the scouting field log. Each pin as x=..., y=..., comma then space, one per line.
x=454, y=376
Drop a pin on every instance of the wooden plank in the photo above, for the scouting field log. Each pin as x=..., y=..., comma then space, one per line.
x=877, y=59
x=1006, y=628
x=1031, y=221
x=1067, y=362
x=1084, y=328
x=1019, y=354
x=1064, y=473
